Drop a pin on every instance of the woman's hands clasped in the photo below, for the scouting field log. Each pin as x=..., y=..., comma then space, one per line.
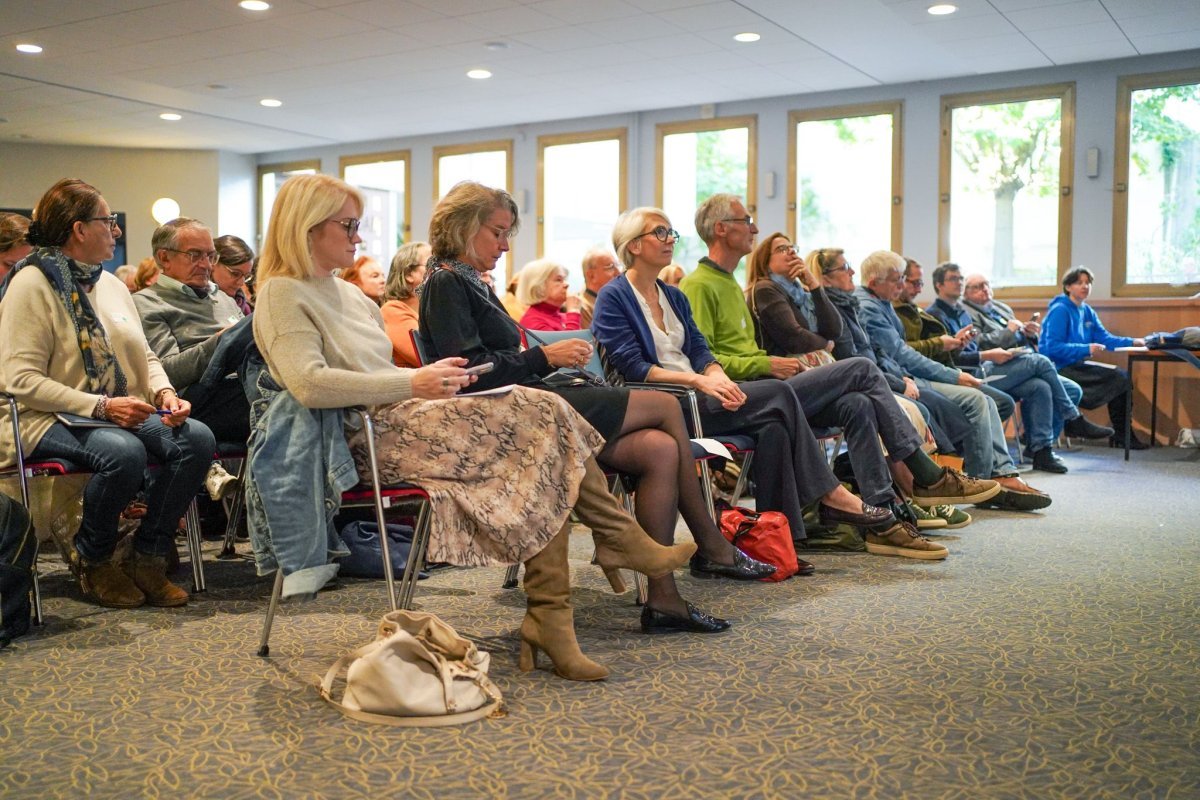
x=441, y=379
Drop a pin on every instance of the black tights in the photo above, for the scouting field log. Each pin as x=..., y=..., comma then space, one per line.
x=653, y=446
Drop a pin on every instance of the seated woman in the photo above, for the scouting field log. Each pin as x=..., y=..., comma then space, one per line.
x=1071, y=334
x=671, y=274
x=366, y=274
x=502, y=471
x=542, y=286
x=73, y=344
x=400, y=304
x=13, y=244
x=234, y=267
x=793, y=313
x=147, y=273
x=648, y=334
x=644, y=431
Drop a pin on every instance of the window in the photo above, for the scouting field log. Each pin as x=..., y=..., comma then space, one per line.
x=581, y=191
x=383, y=178
x=1156, y=185
x=489, y=163
x=270, y=178
x=844, y=187
x=697, y=160
x=1005, y=185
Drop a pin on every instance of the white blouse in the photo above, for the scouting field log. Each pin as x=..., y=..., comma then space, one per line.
x=668, y=343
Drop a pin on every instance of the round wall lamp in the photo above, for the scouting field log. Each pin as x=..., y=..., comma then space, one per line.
x=164, y=210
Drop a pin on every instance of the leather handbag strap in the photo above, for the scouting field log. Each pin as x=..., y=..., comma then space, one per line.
x=326, y=685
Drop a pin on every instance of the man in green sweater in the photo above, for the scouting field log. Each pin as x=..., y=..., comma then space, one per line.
x=851, y=394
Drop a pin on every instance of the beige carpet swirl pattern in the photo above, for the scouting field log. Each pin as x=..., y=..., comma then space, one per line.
x=1052, y=655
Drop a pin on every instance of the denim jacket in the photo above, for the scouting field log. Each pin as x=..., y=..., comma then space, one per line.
x=299, y=465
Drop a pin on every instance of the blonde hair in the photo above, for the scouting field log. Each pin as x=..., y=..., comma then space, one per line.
x=818, y=261
x=460, y=214
x=672, y=274
x=147, y=273
x=303, y=202
x=404, y=263
x=532, y=279
x=629, y=225
x=877, y=265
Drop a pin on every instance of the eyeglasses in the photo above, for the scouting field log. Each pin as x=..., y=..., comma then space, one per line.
x=918, y=282
x=662, y=233
x=236, y=273
x=501, y=233
x=111, y=219
x=954, y=278
x=748, y=220
x=196, y=256
x=351, y=225
x=786, y=248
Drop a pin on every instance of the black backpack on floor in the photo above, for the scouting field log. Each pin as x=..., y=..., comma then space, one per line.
x=17, y=548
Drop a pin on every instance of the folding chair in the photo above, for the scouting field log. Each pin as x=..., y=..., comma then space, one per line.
x=381, y=497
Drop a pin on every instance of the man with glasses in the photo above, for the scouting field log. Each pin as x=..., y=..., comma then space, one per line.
x=599, y=267
x=186, y=317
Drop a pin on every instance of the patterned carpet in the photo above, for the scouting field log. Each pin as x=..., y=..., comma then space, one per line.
x=1053, y=655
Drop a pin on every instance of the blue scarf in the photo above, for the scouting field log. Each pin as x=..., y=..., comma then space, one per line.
x=800, y=297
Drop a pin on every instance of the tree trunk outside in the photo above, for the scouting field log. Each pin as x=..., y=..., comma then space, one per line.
x=1002, y=249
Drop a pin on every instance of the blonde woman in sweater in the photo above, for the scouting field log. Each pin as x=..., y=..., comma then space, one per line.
x=74, y=345
x=503, y=471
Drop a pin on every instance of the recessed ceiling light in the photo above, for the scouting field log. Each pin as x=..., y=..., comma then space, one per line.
x=254, y=5
x=270, y=102
x=29, y=48
x=746, y=37
x=479, y=74
x=942, y=9
x=170, y=116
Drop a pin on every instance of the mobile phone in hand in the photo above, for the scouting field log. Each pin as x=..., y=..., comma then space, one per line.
x=481, y=368
x=1036, y=316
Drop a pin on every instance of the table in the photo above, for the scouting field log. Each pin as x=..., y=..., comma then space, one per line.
x=1155, y=357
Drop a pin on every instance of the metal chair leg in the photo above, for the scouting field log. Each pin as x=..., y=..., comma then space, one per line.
x=235, y=514
x=416, y=556
x=743, y=478
x=264, y=648
x=37, y=587
x=192, y=525
x=510, y=577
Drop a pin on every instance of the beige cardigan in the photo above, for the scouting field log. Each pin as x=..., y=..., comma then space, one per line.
x=40, y=361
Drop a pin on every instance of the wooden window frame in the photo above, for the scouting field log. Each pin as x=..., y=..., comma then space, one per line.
x=263, y=169
x=893, y=107
x=583, y=137
x=1065, y=94
x=749, y=121
x=492, y=146
x=376, y=158
x=1126, y=86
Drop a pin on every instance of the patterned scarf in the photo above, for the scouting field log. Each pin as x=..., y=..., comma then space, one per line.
x=464, y=271
x=104, y=372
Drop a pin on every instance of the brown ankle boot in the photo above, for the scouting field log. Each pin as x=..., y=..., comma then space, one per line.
x=549, y=623
x=150, y=575
x=620, y=541
x=106, y=584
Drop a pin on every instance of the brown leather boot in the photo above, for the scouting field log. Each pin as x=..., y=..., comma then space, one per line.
x=108, y=585
x=150, y=575
x=620, y=541
x=549, y=623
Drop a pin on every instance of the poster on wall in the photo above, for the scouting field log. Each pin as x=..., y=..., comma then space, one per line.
x=118, y=252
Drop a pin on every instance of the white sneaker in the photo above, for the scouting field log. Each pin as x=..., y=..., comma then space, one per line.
x=218, y=482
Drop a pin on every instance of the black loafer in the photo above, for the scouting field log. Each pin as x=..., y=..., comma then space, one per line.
x=743, y=568
x=806, y=568
x=696, y=621
x=871, y=517
x=1047, y=461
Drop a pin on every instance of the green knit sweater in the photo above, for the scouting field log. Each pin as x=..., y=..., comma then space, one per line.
x=720, y=311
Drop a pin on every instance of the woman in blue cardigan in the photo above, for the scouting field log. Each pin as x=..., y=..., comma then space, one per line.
x=1072, y=334
x=647, y=332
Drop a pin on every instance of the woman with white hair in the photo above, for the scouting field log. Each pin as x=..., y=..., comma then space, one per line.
x=542, y=286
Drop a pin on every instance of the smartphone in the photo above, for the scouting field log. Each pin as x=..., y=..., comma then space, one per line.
x=1036, y=316
x=481, y=368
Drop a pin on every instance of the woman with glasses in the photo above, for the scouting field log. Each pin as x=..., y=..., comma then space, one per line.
x=502, y=471
x=90, y=390
x=235, y=265
x=792, y=311
x=644, y=431
x=648, y=334
x=401, y=306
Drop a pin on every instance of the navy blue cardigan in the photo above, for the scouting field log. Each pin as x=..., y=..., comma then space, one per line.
x=621, y=329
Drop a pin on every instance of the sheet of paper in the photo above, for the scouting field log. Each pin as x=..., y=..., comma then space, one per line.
x=713, y=446
x=498, y=390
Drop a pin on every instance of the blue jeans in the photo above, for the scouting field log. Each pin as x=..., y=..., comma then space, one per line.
x=179, y=459
x=1033, y=380
x=985, y=451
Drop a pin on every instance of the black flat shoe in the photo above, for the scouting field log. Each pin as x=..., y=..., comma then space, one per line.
x=696, y=621
x=743, y=568
x=806, y=568
x=1047, y=461
x=871, y=517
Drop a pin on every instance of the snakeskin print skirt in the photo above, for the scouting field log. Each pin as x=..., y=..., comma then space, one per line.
x=503, y=471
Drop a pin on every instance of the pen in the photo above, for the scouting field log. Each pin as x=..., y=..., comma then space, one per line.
x=162, y=412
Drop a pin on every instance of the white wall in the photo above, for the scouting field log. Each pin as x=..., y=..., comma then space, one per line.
x=1096, y=90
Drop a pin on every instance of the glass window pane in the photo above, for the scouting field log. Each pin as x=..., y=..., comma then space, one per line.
x=1164, y=186
x=1004, y=191
x=695, y=166
x=382, y=184
x=488, y=167
x=581, y=198
x=844, y=183
x=268, y=187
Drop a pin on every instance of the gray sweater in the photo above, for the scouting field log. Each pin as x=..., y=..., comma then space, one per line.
x=182, y=328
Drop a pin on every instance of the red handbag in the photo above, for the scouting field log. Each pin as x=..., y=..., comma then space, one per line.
x=764, y=535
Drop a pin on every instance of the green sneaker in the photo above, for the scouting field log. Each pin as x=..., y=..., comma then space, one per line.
x=926, y=520
x=954, y=516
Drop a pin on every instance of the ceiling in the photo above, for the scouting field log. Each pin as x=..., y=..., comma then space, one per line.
x=350, y=70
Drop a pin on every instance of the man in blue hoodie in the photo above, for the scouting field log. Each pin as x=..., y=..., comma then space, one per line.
x=1072, y=334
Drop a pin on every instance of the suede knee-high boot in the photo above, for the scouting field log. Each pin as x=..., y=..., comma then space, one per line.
x=549, y=623
x=620, y=541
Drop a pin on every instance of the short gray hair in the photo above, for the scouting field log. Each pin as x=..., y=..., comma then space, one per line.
x=166, y=236
x=713, y=210
x=629, y=225
x=531, y=280
x=878, y=264
x=594, y=252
